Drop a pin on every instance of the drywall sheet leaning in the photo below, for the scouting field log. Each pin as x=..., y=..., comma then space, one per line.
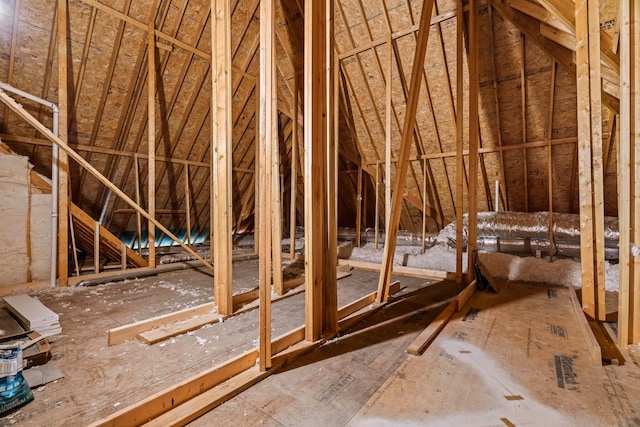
x=40, y=236
x=14, y=216
x=514, y=358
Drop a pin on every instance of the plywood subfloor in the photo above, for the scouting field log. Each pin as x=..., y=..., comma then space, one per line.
x=517, y=358
x=99, y=380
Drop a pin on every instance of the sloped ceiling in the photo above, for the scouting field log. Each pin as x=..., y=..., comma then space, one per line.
x=519, y=108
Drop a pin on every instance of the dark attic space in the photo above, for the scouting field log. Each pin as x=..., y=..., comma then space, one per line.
x=319, y=212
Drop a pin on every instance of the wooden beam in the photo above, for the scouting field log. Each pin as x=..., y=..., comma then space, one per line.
x=163, y=401
x=387, y=140
x=459, y=142
x=96, y=247
x=523, y=117
x=89, y=149
x=187, y=201
x=474, y=137
x=376, y=211
x=634, y=338
x=628, y=170
x=396, y=35
x=151, y=147
x=276, y=195
x=137, y=196
x=140, y=25
x=484, y=150
x=315, y=165
x=504, y=194
x=63, y=129
x=359, y=207
x=405, y=152
x=590, y=157
x=426, y=337
x=564, y=11
x=330, y=286
x=267, y=120
x=552, y=92
x=596, y=53
x=400, y=270
x=294, y=172
x=221, y=152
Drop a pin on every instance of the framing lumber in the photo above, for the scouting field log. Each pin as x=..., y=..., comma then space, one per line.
x=359, y=207
x=590, y=157
x=400, y=270
x=598, y=168
x=17, y=108
x=426, y=337
x=376, y=210
x=459, y=142
x=405, y=152
x=628, y=171
x=276, y=196
x=465, y=295
x=552, y=92
x=592, y=343
x=151, y=147
x=504, y=194
x=127, y=332
x=96, y=247
x=564, y=11
x=294, y=172
x=221, y=152
x=320, y=286
x=187, y=201
x=163, y=401
x=474, y=138
x=267, y=120
x=635, y=134
x=137, y=196
x=523, y=112
x=63, y=129
x=387, y=140
x=197, y=386
x=330, y=291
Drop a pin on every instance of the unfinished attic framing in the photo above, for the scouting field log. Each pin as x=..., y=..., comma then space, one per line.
x=134, y=132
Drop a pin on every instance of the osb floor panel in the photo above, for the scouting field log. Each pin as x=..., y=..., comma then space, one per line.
x=516, y=358
x=100, y=380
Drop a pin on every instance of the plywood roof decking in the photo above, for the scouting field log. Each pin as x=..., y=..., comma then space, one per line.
x=108, y=49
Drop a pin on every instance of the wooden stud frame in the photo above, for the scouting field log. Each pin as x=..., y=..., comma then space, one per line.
x=63, y=162
x=266, y=170
x=318, y=281
x=221, y=151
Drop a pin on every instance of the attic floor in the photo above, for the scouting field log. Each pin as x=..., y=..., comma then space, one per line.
x=505, y=372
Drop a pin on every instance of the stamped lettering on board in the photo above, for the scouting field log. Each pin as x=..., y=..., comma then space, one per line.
x=565, y=373
x=471, y=315
x=552, y=293
x=559, y=331
x=339, y=384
